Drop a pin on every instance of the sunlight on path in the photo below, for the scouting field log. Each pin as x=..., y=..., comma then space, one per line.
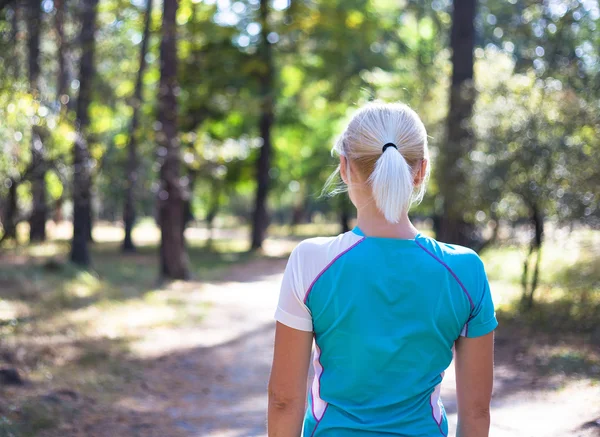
x=235, y=350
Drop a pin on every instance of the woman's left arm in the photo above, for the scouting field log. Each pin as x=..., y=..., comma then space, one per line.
x=287, y=385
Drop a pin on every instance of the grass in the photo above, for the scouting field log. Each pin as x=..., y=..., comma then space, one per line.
x=66, y=327
x=574, y=363
x=561, y=333
x=33, y=417
x=568, y=298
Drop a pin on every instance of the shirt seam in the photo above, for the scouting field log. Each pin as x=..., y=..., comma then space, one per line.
x=491, y=322
x=279, y=312
x=337, y=257
x=454, y=275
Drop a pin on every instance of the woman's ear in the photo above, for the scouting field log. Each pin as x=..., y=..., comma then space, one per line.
x=344, y=169
x=421, y=172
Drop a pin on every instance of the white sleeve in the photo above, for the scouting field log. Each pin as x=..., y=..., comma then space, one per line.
x=291, y=310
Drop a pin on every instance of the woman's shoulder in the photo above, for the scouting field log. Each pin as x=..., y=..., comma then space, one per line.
x=325, y=249
x=454, y=255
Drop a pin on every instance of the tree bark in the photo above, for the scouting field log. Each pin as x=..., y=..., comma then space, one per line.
x=260, y=218
x=81, y=154
x=10, y=212
x=454, y=169
x=58, y=214
x=37, y=220
x=11, y=207
x=14, y=31
x=188, y=211
x=129, y=213
x=62, y=78
x=537, y=219
x=171, y=197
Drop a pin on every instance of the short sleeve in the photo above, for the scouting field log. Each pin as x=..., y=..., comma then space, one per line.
x=291, y=309
x=483, y=316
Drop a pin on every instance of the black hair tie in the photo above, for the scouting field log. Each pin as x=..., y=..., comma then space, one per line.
x=389, y=145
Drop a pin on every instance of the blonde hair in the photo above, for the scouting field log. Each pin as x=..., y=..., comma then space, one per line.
x=390, y=172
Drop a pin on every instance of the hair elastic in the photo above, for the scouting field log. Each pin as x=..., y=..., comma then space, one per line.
x=389, y=145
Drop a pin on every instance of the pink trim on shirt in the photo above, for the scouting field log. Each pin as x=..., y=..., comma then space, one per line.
x=317, y=381
x=329, y=265
x=451, y=272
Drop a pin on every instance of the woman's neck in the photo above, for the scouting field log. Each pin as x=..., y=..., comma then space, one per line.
x=373, y=224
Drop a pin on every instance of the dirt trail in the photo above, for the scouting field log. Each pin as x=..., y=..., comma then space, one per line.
x=216, y=385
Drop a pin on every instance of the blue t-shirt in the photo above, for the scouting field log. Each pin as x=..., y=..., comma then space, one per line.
x=385, y=314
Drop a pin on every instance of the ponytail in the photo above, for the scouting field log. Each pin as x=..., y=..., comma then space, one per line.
x=373, y=130
x=392, y=184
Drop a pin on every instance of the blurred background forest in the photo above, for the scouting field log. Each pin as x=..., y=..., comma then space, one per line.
x=144, y=140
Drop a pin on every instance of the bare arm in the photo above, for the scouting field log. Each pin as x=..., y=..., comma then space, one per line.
x=287, y=385
x=474, y=381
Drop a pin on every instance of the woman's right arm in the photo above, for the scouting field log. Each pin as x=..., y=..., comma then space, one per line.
x=474, y=365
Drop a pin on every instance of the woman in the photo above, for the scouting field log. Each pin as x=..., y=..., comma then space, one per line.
x=384, y=304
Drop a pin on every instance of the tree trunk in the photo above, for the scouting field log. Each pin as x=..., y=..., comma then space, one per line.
x=129, y=213
x=62, y=78
x=213, y=209
x=453, y=169
x=81, y=155
x=171, y=197
x=58, y=214
x=37, y=220
x=260, y=218
x=11, y=209
x=525, y=277
x=14, y=30
x=188, y=212
x=298, y=211
x=90, y=218
x=537, y=220
x=10, y=212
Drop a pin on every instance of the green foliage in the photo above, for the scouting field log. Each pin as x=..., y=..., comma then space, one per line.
x=569, y=298
x=535, y=117
x=536, y=109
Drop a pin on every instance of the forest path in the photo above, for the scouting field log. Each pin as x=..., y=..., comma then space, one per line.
x=216, y=385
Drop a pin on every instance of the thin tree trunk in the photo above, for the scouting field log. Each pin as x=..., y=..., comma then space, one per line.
x=173, y=258
x=14, y=31
x=536, y=276
x=537, y=220
x=188, y=213
x=10, y=212
x=62, y=78
x=298, y=211
x=215, y=203
x=453, y=169
x=37, y=220
x=58, y=214
x=11, y=209
x=260, y=217
x=525, y=275
x=129, y=213
x=62, y=81
x=81, y=155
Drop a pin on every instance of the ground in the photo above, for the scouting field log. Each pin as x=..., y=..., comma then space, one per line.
x=193, y=358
